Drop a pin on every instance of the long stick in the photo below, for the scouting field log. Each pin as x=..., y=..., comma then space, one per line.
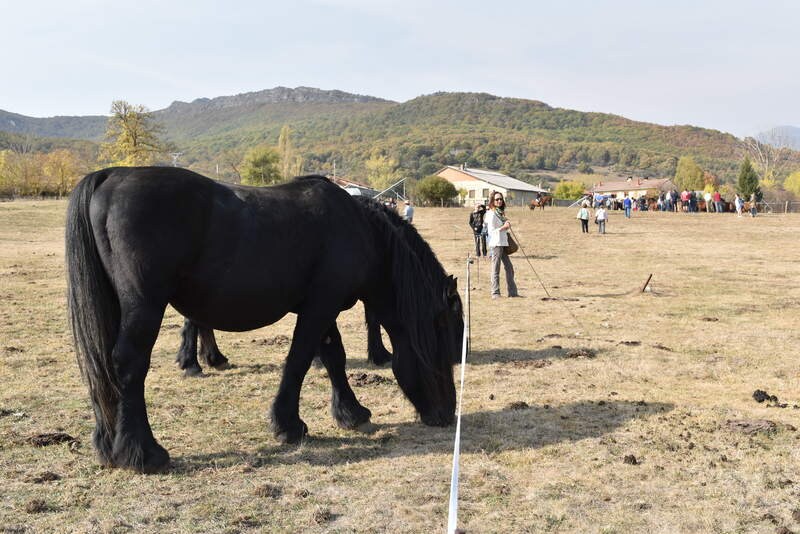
x=647, y=282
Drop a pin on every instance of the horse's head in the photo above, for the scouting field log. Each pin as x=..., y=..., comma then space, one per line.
x=426, y=377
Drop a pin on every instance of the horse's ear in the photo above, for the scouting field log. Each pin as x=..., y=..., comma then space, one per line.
x=452, y=286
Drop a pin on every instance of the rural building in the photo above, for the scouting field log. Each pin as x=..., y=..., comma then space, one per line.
x=633, y=187
x=478, y=183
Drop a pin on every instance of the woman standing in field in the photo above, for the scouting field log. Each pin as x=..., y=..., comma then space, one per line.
x=583, y=216
x=601, y=216
x=497, y=226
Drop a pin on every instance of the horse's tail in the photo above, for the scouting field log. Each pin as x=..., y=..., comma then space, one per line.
x=92, y=303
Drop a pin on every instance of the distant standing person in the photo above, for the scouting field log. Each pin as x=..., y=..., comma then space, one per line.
x=583, y=216
x=627, y=204
x=738, y=204
x=497, y=226
x=476, y=223
x=707, y=198
x=717, y=202
x=408, y=212
x=753, y=205
x=601, y=216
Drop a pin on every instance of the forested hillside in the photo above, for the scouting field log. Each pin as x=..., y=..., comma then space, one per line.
x=523, y=138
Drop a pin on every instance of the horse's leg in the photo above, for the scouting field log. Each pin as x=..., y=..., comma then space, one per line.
x=133, y=443
x=376, y=352
x=308, y=331
x=187, y=354
x=209, y=352
x=345, y=408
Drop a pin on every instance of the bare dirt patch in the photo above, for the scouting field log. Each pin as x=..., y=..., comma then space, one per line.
x=367, y=379
x=50, y=438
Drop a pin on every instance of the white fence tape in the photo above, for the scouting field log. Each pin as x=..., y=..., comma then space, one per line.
x=452, y=516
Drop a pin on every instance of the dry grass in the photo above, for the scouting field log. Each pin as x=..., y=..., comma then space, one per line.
x=547, y=428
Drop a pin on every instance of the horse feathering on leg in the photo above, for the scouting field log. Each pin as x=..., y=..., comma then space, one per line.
x=138, y=239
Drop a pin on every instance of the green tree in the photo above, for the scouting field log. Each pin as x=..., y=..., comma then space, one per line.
x=435, y=190
x=792, y=183
x=62, y=171
x=689, y=175
x=6, y=183
x=747, y=184
x=570, y=190
x=261, y=166
x=291, y=163
x=382, y=171
x=133, y=136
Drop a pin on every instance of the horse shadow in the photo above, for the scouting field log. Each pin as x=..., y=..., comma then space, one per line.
x=555, y=351
x=518, y=426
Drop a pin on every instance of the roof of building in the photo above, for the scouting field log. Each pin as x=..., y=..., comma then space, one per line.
x=633, y=184
x=351, y=185
x=499, y=179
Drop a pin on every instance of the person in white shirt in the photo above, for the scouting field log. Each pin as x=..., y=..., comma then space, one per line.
x=601, y=216
x=408, y=212
x=497, y=226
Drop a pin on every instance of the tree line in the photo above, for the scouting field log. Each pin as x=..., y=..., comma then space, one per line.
x=134, y=137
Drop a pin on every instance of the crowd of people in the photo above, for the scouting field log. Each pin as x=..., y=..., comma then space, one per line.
x=673, y=201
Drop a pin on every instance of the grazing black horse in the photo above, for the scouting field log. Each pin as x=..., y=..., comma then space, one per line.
x=238, y=258
x=376, y=353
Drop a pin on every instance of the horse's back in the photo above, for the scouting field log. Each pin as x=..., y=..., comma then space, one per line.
x=230, y=257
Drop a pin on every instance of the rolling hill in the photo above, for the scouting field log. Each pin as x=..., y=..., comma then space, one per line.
x=525, y=138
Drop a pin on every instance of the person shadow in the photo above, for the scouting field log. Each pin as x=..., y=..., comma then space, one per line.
x=517, y=426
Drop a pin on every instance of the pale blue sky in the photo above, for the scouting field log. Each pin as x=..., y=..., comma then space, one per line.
x=731, y=65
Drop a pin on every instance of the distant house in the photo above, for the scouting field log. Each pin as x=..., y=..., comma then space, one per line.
x=633, y=187
x=479, y=183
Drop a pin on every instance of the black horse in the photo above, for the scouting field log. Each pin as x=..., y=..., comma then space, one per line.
x=187, y=357
x=238, y=258
x=210, y=354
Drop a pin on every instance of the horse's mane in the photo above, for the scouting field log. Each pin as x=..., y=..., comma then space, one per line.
x=418, y=280
x=415, y=241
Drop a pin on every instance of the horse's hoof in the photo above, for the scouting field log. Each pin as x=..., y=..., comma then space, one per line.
x=192, y=372
x=351, y=417
x=217, y=360
x=382, y=360
x=438, y=419
x=222, y=366
x=152, y=458
x=292, y=435
x=157, y=464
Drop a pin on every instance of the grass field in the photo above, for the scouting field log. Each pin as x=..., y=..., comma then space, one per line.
x=609, y=410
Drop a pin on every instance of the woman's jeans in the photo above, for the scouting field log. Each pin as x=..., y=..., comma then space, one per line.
x=499, y=255
x=602, y=225
x=585, y=226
